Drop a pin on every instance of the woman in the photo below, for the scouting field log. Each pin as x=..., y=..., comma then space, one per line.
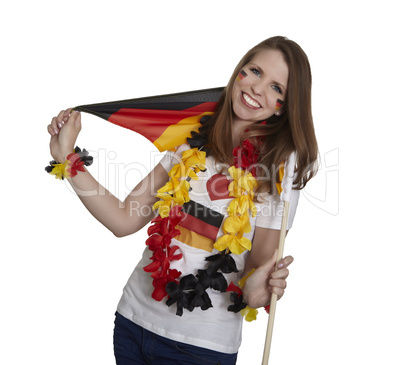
x=217, y=193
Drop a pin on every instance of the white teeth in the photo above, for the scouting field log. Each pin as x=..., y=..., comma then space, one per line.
x=251, y=101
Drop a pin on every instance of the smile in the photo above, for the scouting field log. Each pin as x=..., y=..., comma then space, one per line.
x=249, y=101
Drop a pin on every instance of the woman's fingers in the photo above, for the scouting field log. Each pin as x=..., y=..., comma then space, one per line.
x=63, y=116
x=58, y=122
x=50, y=131
x=64, y=130
x=52, y=128
x=67, y=114
x=280, y=274
x=277, y=286
x=278, y=291
x=285, y=262
x=277, y=281
x=60, y=119
x=74, y=122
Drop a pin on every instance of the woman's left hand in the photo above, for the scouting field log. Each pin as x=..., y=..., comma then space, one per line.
x=265, y=280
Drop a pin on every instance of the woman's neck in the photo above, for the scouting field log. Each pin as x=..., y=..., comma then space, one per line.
x=238, y=128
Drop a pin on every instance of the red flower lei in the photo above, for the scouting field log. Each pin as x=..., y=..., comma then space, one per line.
x=246, y=157
x=160, y=236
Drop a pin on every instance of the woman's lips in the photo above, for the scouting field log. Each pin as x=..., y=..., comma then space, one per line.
x=249, y=102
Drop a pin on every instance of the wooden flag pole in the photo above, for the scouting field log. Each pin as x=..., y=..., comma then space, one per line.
x=286, y=184
x=274, y=297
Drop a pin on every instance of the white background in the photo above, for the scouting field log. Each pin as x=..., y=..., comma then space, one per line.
x=62, y=272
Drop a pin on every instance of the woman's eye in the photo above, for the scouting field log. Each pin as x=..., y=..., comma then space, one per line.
x=255, y=71
x=277, y=89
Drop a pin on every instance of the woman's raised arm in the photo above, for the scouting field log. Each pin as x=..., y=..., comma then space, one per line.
x=121, y=218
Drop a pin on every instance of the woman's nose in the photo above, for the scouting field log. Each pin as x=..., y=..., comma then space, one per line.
x=258, y=87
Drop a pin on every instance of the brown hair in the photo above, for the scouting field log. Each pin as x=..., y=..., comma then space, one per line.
x=292, y=131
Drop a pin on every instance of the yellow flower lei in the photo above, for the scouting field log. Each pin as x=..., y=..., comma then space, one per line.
x=242, y=189
x=249, y=314
x=175, y=191
x=60, y=170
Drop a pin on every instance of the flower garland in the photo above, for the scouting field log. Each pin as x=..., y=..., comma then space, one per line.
x=250, y=314
x=74, y=162
x=190, y=292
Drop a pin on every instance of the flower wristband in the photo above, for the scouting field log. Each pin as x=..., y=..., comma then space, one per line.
x=75, y=162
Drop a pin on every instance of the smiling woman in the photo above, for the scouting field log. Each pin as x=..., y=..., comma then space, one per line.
x=212, y=248
x=254, y=96
x=270, y=84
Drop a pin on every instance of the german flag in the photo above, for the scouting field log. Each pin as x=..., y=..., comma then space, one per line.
x=200, y=226
x=165, y=120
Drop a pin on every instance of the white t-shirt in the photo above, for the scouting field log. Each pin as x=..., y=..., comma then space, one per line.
x=215, y=328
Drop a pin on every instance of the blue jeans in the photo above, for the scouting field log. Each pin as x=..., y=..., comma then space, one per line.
x=135, y=345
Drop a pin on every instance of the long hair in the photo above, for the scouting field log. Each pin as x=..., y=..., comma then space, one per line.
x=292, y=131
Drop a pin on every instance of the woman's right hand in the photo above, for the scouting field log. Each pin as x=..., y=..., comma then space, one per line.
x=64, y=130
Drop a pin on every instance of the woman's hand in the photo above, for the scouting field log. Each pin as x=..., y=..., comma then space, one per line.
x=64, y=130
x=265, y=280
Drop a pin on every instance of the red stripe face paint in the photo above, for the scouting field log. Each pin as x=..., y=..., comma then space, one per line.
x=242, y=74
x=279, y=104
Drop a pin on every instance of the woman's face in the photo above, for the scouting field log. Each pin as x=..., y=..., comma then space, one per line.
x=259, y=85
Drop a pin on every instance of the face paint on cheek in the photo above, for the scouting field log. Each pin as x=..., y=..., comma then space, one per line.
x=279, y=104
x=242, y=74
